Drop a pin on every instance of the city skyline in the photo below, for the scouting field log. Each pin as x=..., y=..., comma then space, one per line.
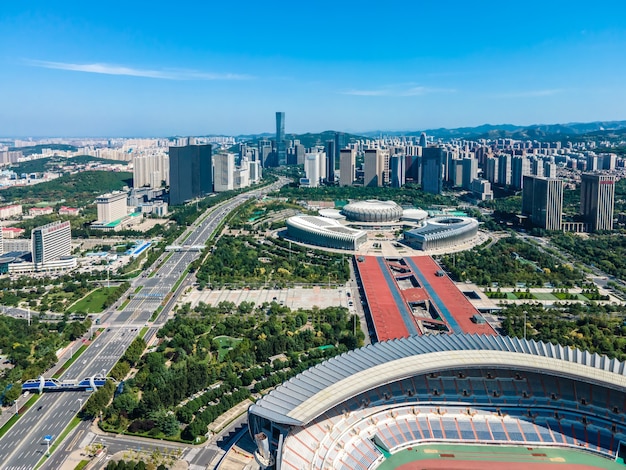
x=145, y=69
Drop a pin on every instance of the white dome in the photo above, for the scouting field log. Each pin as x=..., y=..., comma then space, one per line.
x=373, y=210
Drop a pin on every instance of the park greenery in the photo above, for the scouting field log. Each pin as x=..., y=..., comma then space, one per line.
x=605, y=251
x=410, y=194
x=511, y=261
x=248, y=261
x=29, y=350
x=177, y=389
x=591, y=327
x=77, y=190
x=57, y=295
x=57, y=163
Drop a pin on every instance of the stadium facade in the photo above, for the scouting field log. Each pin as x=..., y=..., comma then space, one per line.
x=325, y=232
x=356, y=409
x=373, y=211
x=442, y=232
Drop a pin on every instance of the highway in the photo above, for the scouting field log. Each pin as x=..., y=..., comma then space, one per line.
x=23, y=446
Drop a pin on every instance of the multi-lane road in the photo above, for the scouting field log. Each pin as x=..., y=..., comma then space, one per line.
x=23, y=446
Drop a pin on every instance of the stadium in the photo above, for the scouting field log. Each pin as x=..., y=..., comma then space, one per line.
x=321, y=231
x=442, y=232
x=442, y=400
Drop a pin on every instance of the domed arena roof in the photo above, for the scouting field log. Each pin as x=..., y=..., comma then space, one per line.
x=373, y=210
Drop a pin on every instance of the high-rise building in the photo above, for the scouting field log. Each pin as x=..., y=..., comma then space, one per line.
x=423, y=140
x=312, y=169
x=149, y=170
x=51, y=242
x=542, y=201
x=347, y=167
x=520, y=167
x=597, y=199
x=223, y=172
x=398, y=173
x=330, y=160
x=112, y=207
x=374, y=167
x=433, y=167
x=504, y=169
x=265, y=153
x=470, y=172
x=281, y=145
x=191, y=173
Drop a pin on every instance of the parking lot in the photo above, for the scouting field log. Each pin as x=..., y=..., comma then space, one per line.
x=295, y=298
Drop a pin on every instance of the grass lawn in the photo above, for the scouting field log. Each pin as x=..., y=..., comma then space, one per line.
x=544, y=296
x=225, y=344
x=93, y=302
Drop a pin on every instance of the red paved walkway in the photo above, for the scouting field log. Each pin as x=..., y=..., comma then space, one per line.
x=384, y=311
x=459, y=306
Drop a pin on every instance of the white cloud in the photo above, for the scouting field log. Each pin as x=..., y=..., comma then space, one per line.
x=397, y=90
x=111, y=69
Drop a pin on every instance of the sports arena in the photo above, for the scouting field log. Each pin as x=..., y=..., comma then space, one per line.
x=453, y=401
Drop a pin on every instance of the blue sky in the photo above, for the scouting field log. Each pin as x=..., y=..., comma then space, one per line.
x=139, y=68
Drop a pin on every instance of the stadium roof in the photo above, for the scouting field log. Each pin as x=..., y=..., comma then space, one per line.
x=306, y=396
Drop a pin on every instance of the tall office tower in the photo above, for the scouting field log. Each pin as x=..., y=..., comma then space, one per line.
x=597, y=199
x=330, y=161
x=312, y=169
x=265, y=153
x=223, y=172
x=340, y=143
x=433, y=167
x=423, y=140
x=281, y=145
x=413, y=165
x=398, y=171
x=51, y=242
x=470, y=172
x=491, y=169
x=241, y=175
x=504, y=169
x=549, y=169
x=456, y=175
x=323, y=164
x=255, y=171
x=347, y=167
x=112, y=206
x=520, y=167
x=191, y=173
x=609, y=161
x=592, y=162
x=300, y=151
x=542, y=201
x=374, y=167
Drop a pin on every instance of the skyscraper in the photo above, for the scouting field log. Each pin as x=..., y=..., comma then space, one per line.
x=347, y=166
x=312, y=169
x=432, y=174
x=398, y=173
x=542, y=201
x=330, y=160
x=374, y=167
x=224, y=172
x=191, y=173
x=423, y=140
x=281, y=145
x=51, y=242
x=597, y=198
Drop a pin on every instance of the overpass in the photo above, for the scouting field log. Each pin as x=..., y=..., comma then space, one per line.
x=43, y=384
x=185, y=247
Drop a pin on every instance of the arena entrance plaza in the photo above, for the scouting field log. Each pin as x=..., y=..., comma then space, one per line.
x=294, y=298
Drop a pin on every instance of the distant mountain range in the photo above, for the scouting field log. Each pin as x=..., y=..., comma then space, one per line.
x=544, y=132
x=574, y=132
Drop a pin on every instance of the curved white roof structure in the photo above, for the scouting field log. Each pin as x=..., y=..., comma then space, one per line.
x=414, y=215
x=442, y=232
x=306, y=396
x=323, y=231
x=373, y=210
